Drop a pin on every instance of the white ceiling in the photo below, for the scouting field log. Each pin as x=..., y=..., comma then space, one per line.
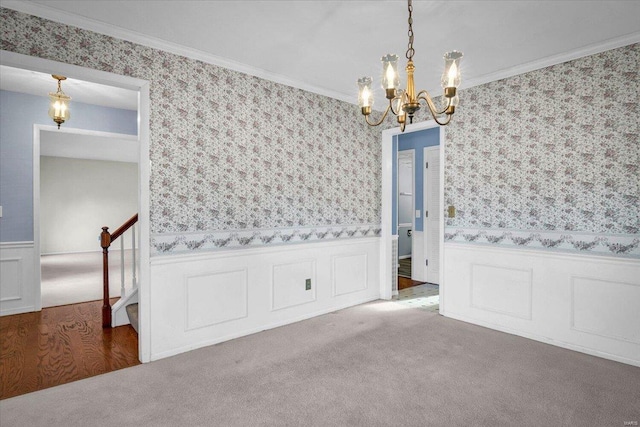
x=324, y=46
x=40, y=84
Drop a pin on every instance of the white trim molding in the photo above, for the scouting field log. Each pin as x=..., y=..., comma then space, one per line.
x=230, y=293
x=584, y=302
x=621, y=245
x=172, y=243
x=16, y=278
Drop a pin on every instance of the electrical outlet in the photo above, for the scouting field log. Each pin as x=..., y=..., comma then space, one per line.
x=307, y=285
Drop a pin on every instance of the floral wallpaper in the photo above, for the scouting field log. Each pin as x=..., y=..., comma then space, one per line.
x=547, y=159
x=555, y=150
x=230, y=152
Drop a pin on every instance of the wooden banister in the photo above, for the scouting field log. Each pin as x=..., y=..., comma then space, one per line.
x=106, y=239
x=124, y=227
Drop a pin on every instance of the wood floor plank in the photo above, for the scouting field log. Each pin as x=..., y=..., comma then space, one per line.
x=59, y=345
x=405, y=282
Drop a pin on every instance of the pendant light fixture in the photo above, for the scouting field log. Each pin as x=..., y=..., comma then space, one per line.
x=59, y=103
x=405, y=102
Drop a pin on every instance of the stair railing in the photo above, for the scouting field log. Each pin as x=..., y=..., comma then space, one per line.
x=106, y=239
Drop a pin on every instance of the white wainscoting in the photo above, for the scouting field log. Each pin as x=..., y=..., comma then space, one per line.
x=17, y=279
x=587, y=303
x=209, y=297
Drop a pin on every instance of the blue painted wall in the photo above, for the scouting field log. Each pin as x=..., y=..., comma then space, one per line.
x=412, y=141
x=18, y=113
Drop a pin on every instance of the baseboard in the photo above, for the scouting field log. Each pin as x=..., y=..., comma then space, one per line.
x=543, y=339
x=16, y=245
x=261, y=328
x=19, y=310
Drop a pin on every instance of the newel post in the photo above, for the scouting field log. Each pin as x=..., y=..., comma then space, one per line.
x=105, y=242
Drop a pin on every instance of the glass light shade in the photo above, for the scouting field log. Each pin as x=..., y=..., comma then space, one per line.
x=365, y=94
x=59, y=107
x=451, y=75
x=397, y=104
x=390, y=76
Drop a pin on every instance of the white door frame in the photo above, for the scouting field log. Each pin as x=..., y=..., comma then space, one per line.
x=17, y=60
x=412, y=155
x=425, y=192
x=386, y=231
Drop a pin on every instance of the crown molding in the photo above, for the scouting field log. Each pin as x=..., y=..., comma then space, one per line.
x=47, y=12
x=93, y=25
x=549, y=61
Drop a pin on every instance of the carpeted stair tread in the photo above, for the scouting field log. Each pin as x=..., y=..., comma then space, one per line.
x=132, y=312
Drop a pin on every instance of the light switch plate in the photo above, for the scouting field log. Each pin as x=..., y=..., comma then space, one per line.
x=0, y=211
x=417, y=213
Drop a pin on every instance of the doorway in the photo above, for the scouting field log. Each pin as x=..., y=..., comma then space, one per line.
x=87, y=180
x=31, y=294
x=429, y=233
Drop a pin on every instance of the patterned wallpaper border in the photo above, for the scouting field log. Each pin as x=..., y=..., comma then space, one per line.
x=171, y=243
x=625, y=245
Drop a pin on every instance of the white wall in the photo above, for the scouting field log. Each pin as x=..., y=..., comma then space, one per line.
x=78, y=197
x=586, y=303
x=202, y=299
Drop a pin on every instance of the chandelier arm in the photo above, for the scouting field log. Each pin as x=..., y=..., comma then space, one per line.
x=424, y=95
x=384, y=116
x=395, y=113
x=435, y=113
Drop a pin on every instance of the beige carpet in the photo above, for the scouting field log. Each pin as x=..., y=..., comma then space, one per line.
x=378, y=364
x=73, y=278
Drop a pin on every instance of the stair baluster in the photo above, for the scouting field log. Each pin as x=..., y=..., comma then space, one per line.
x=106, y=239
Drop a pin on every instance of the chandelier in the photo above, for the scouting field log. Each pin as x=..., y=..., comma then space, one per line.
x=405, y=102
x=59, y=106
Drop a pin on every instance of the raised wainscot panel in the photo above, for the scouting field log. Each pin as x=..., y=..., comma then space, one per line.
x=349, y=273
x=606, y=308
x=502, y=290
x=215, y=297
x=10, y=279
x=289, y=284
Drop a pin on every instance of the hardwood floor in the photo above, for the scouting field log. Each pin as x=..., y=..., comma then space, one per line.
x=405, y=282
x=59, y=345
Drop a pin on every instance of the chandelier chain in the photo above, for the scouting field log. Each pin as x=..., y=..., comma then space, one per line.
x=410, y=50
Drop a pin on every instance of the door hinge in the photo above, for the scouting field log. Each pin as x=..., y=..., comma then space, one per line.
x=426, y=165
x=426, y=214
x=426, y=261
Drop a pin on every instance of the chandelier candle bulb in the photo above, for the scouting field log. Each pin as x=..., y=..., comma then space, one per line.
x=451, y=75
x=365, y=96
x=390, y=76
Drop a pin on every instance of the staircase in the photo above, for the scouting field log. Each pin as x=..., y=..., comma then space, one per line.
x=125, y=310
x=132, y=312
